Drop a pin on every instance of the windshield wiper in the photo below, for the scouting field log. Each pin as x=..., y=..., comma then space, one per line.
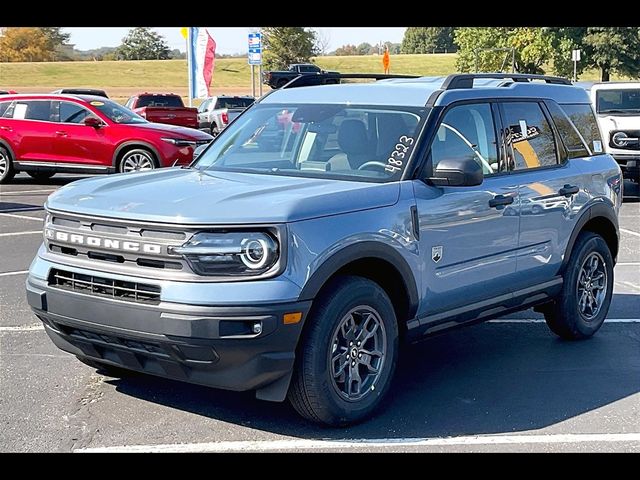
x=620, y=110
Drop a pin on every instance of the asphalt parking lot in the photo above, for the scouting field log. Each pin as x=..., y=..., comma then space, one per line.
x=507, y=385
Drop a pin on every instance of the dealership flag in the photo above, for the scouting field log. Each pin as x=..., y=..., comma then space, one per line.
x=202, y=56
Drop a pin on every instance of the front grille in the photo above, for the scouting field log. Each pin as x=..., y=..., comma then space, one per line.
x=105, y=287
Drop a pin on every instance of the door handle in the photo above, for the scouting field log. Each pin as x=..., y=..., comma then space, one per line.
x=8, y=129
x=500, y=200
x=568, y=190
x=61, y=133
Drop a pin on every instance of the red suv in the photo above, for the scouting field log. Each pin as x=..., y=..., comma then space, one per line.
x=46, y=134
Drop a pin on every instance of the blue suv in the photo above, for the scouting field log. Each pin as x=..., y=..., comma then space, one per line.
x=326, y=225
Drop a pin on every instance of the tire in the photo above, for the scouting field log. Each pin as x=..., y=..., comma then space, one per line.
x=314, y=392
x=7, y=171
x=106, y=369
x=214, y=130
x=41, y=175
x=566, y=316
x=143, y=159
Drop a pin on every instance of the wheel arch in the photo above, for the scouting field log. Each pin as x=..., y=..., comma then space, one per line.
x=5, y=144
x=378, y=262
x=130, y=145
x=599, y=218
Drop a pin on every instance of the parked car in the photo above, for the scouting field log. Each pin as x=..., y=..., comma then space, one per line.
x=164, y=108
x=82, y=91
x=277, y=79
x=617, y=106
x=43, y=134
x=215, y=113
x=293, y=257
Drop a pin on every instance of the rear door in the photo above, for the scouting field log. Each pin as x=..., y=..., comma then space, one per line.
x=468, y=235
x=550, y=187
x=78, y=144
x=29, y=123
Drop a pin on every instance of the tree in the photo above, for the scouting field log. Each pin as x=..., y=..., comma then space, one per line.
x=428, y=40
x=364, y=48
x=346, y=50
x=323, y=40
x=479, y=48
x=55, y=36
x=563, y=40
x=142, y=43
x=613, y=49
x=285, y=45
x=24, y=44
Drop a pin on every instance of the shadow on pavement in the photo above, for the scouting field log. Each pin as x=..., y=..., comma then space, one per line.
x=491, y=378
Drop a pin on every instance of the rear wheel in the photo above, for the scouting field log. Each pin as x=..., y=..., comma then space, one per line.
x=215, y=131
x=347, y=355
x=41, y=175
x=580, y=309
x=137, y=160
x=6, y=166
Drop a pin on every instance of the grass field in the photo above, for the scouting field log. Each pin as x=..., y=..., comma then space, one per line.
x=232, y=75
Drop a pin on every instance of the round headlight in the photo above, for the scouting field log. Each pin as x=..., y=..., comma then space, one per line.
x=255, y=252
x=620, y=139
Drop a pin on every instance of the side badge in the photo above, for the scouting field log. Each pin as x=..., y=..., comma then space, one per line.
x=436, y=253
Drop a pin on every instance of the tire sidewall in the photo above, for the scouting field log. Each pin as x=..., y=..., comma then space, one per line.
x=10, y=172
x=581, y=325
x=316, y=355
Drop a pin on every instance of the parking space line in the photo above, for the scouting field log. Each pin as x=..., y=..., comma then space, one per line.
x=15, y=234
x=541, y=320
x=24, y=217
x=14, y=192
x=273, y=445
x=21, y=209
x=630, y=232
x=23, y=328
x=627, y=264
x=9, y=274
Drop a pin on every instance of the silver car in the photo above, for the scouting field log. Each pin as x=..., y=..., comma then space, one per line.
x=215, y=113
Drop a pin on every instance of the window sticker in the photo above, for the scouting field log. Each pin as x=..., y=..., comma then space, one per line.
x=395, y=162
x=97, y=104
x=20, y=111
x=523, y=128
x=597, y=146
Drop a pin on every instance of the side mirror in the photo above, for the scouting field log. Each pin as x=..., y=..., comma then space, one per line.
x=94, y=122
x=457, y=172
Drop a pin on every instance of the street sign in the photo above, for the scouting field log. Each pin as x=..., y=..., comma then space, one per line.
x=254, y=55
x=575, y=55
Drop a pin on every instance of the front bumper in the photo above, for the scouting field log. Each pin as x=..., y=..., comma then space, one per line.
x=206, y=345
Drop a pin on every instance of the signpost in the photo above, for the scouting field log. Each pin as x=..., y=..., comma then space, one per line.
x=575, y=57
x=254, y=57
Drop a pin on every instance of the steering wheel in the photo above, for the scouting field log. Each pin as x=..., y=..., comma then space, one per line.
x=372, y=163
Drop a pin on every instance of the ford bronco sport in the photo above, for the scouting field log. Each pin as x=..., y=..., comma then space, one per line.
x=328, y=223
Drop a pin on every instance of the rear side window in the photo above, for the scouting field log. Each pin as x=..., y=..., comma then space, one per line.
x=569, y=135
x=4, y=106
x=32, y=110
x=159, y=101
x=583, y=118
x=529, y=139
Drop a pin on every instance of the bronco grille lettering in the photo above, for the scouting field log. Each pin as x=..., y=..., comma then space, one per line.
x=106, y=243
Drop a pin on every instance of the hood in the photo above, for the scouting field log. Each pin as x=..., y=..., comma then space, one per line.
x=176, y=195
x=174, y=130
x=618, y=122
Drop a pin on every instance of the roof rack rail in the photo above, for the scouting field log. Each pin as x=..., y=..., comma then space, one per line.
x=308, y=79
x=465, y=80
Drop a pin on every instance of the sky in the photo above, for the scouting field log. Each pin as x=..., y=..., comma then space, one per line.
x=231, y=40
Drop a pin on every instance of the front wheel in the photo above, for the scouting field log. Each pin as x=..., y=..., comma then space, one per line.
x=580, y=309
x=347, y=355
x=137, y=160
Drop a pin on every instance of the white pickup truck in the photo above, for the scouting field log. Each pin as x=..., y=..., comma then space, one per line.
x=215, y=113
x=617, y=106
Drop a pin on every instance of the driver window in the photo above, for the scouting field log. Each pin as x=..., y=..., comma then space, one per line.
x=72, y=113
x=468, y=131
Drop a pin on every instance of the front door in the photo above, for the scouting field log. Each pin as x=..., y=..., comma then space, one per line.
x=468, y=235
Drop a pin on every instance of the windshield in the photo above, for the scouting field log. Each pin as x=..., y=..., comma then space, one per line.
x=618, y=101
x=117, y=113
x=234, y=102
x=367, y=143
